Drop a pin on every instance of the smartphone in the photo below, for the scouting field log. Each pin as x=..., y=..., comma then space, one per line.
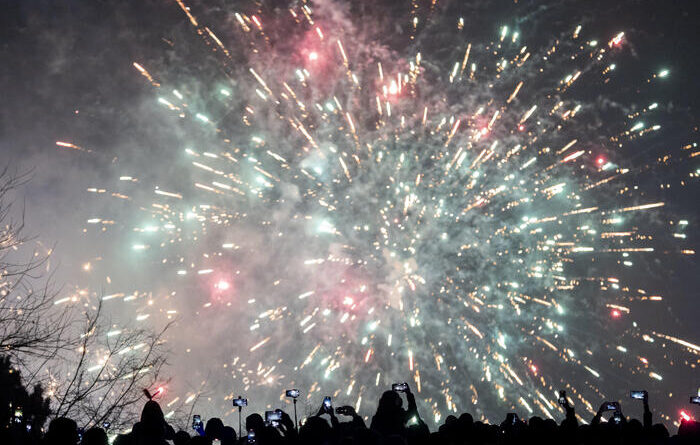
x=327, y=403
x=399, y=387
x=610, y=406
x=516, y=419
x=106, y=425
x=240, y=402
x=343, y=410
x=639, y=395
x=293, y=393
x=81, y=432
x=18, y=415
x=695, y=400
x=273, y=415
x=251, y=437
x=196, y=422
x=216, y=442
x=562, y=397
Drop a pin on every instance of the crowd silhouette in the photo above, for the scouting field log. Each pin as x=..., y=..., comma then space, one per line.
x=392, y=424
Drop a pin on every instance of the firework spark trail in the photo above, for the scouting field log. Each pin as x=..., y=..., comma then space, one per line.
x=403, y=221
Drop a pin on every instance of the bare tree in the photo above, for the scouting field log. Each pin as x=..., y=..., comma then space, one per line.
x=31, y=327
x=94, y=372
x=103, y=379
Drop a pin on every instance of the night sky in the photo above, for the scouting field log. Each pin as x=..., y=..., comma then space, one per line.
x=67, y=74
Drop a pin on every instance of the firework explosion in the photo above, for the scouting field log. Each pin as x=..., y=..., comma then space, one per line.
x=463, y=215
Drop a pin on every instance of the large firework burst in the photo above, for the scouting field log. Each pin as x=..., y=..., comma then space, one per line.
x=361, y=206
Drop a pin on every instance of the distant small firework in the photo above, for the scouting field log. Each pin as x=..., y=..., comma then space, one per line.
x=223, y=285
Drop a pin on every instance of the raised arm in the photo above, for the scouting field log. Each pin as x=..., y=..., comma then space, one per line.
x=328, y=410
x=412, y=408
x=287, y=426
x=570, y=411
x=606, y=406
x=647, y=411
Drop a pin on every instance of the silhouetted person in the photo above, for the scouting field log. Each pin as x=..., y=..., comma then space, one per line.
x=355, y=420
x=62, y=431
x=316, y=431
x=395, y=439
x=392, y=424
x=123, y=439
x=152, y=428
x=392, y=419
x=688, y=432
x=199, y=440
x=633, y=431
x=617, y=416
x=264, y=435
x=286, y=427
x=659, y=433
x=365, y=436
x=254, y=422
x=214, y=429
x=181, y=438
x=94, y=436
x=229, y=436
x=569, y=426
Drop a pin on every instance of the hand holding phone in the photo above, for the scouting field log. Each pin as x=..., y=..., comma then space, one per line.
x=272, y=415
x=612, y=406
x=240, y=402
x=562, y=398
x=275, y=415
x=196, y=422
x=695, y=400
x=400, y=387
x=327, y=405
x=608, y=406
